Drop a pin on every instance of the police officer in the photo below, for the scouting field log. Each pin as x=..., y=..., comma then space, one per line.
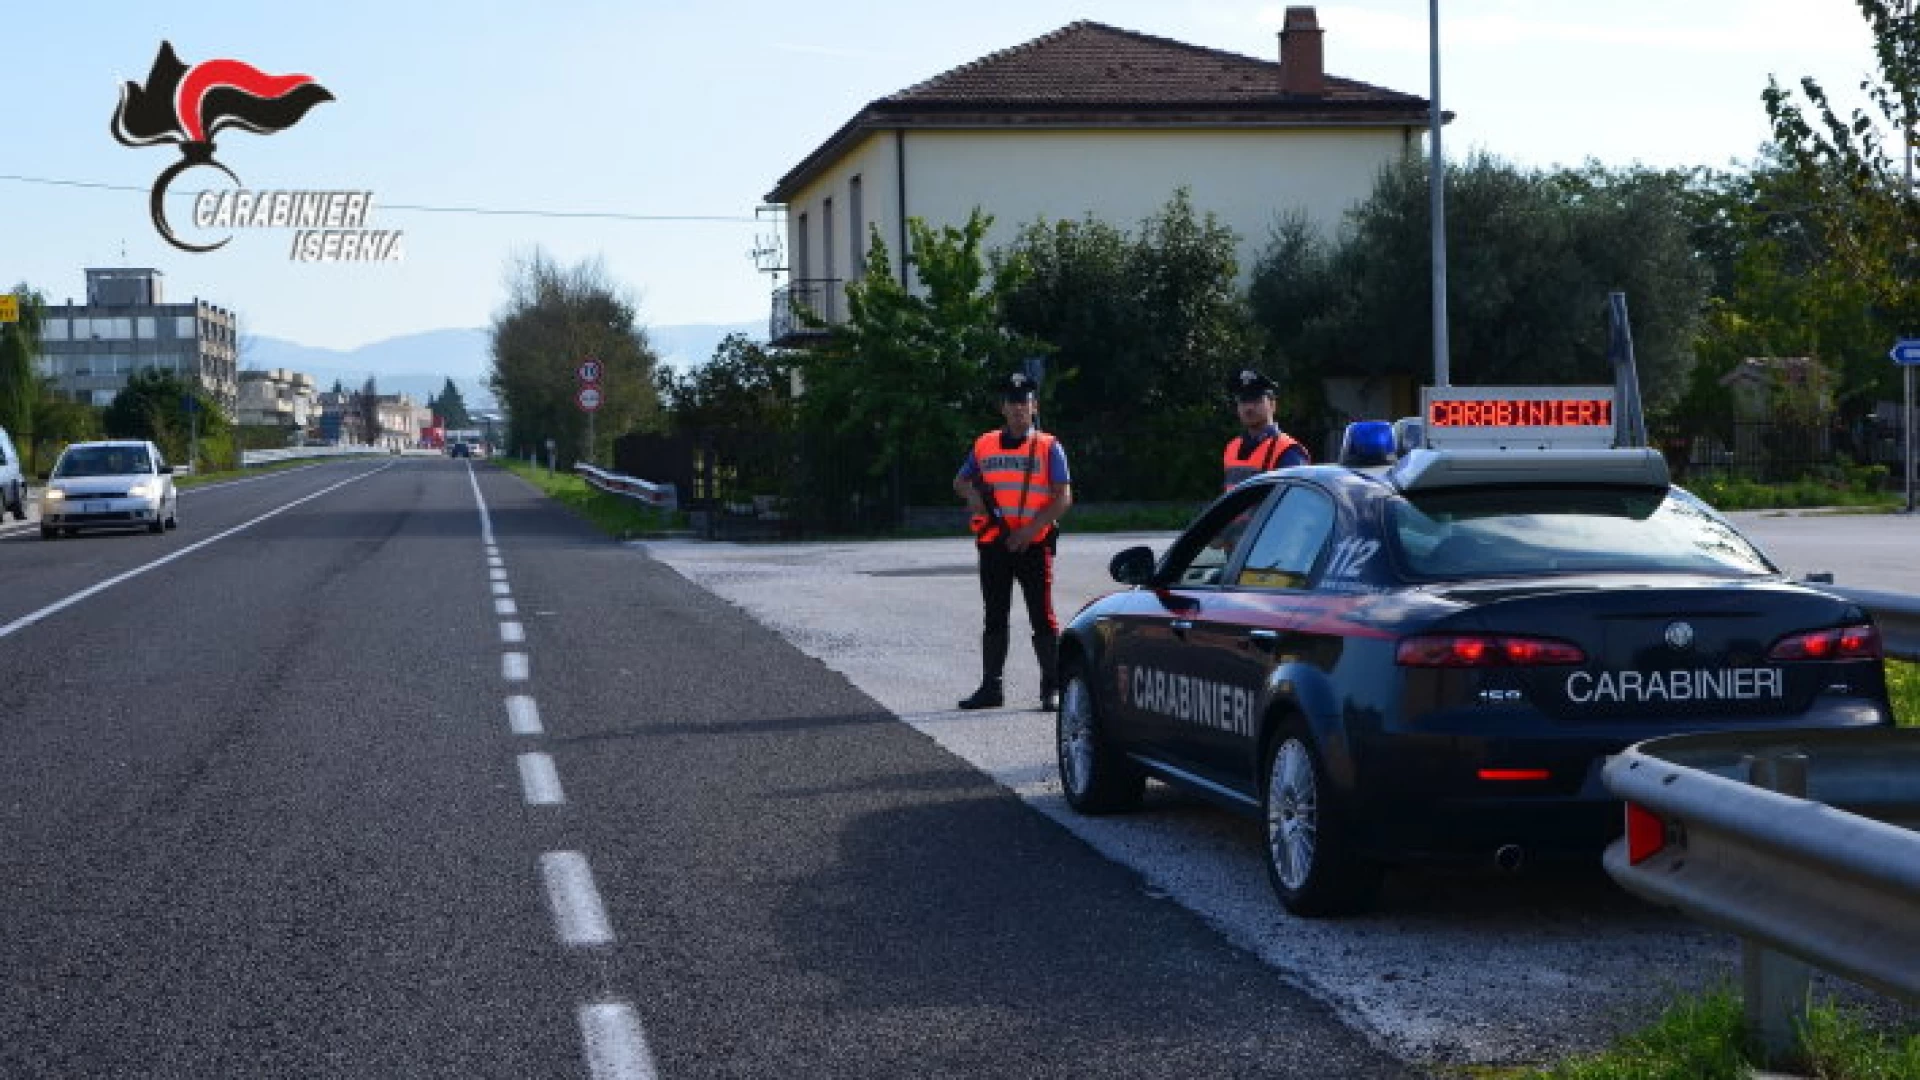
x=1015, y=482
x=1264, y=446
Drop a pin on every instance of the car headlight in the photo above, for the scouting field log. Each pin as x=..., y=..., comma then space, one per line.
x=140, y=491
x=54, y=493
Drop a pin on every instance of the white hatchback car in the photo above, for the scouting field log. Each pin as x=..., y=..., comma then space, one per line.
x=119, y=484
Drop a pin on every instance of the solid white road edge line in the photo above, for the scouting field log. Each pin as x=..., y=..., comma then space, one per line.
x=523, y=716
x=486, y=520
x=540, y=781
x=615, y=1043
x=578, y=915
x=27, y=620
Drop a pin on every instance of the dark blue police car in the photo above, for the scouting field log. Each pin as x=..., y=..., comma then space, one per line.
x=1431, y=659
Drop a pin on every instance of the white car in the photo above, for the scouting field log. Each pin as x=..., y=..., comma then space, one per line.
x=13, y=482
x=118, y=484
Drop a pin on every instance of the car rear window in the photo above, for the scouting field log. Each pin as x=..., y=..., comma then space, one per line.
x=1506, y=531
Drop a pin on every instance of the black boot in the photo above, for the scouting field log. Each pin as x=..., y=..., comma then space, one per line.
x=1046, y=650
x=993, y=660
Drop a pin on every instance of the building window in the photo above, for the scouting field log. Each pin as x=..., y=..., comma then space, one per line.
x=104, y=397
x=143, y=328
x=82, y=329
x=183, y=327
x=801, y=262
x=54, y=330
x=856, y=245
x=826, y=239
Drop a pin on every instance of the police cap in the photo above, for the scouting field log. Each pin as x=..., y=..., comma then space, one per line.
x=1018, y=386
x=1250, y=385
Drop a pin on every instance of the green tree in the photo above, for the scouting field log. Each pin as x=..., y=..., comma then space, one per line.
x=555, y=317
x=19, y=347
x=1531, y=259
x=1867, y=213
x=153, y=405
x=906, y=375
x=450, y=407
x=744, y=386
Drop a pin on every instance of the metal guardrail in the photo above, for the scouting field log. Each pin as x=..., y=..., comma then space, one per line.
x=1802, y=843
x=300, y=453
x=662, y=496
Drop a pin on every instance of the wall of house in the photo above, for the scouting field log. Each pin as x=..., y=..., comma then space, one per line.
x=1248, y=178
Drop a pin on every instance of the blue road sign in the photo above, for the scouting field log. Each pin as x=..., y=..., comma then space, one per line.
x=1906, y=351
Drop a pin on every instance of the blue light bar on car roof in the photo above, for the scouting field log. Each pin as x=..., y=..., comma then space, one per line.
x=1428, y=470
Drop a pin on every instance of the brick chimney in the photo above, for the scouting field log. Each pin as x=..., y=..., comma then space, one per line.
x=1302, y=62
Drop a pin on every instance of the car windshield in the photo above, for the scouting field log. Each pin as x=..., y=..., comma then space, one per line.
x=101, y=461
x=1482, y=533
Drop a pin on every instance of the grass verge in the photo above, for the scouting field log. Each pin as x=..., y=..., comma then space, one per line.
x=1700, y=1037
x=1903, y=686
x=196, y=479
x=616, y=515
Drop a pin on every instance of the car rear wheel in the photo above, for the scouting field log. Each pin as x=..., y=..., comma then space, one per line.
x=1096, y=777
x=1308, y=848
x=47, y=533
x=19, y=507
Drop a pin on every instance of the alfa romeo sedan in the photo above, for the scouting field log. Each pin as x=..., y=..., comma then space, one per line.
x=1431, y=660
x=118, y=484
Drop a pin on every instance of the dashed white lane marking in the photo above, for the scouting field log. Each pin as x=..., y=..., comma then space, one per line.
x=513, y=666
x=505, y=607
x=616, y=1045
x=500, y=588
x=540, y=781
x=512, y=633
x=494, y=561
x=578, y=916
x=523, y=716
x=27, y=620
x=496, y=574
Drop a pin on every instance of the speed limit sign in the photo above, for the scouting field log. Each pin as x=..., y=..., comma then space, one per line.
x=588, y=397
x=589, y=371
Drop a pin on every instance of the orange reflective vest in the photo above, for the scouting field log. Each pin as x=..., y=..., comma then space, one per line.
x=1264, y=455
x=1019, y=480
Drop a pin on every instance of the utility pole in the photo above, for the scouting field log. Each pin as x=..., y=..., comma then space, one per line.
x=1909, y=70
x=1437, y=202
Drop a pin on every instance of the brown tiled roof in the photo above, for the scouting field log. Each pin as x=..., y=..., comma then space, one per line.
x=1091, y=74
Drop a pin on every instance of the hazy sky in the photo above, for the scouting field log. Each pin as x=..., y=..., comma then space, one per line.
x=681, y=110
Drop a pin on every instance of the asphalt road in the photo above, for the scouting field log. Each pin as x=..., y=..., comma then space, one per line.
x=395, y=769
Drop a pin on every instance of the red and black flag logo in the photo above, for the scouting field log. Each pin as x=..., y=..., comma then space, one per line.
x=187, y=106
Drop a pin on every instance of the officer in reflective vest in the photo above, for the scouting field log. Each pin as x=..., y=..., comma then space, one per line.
x=1015, y=482
x=1264, y=446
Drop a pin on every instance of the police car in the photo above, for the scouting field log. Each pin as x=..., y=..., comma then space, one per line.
x=1427, y=651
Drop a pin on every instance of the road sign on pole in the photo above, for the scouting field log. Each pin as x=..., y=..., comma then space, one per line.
x=1906, y=352
x=588, y=397
x=589, y=371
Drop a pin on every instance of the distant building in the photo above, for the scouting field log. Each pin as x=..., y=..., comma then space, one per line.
x=400, y=419
x=90, y=349
x=279, y=398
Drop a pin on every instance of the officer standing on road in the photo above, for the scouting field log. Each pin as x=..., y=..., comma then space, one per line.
x=1264, y=446
x=1015, y=482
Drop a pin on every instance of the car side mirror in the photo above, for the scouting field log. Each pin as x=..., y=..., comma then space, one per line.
x=1134, y=566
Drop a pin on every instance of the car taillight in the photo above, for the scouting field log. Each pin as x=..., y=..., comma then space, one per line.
x=1485, y=650
x=1841, y=643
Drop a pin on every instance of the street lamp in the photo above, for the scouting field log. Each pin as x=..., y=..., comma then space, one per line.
x=1437, y=201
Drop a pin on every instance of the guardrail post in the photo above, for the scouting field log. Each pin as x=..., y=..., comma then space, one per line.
x=1774, y=986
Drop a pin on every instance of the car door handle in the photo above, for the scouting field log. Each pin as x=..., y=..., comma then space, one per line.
x=1265, y=639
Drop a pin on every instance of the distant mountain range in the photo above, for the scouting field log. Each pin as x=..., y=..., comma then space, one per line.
x=420, y=364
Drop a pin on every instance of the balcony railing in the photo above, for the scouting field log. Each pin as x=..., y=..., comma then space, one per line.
x=820, y=296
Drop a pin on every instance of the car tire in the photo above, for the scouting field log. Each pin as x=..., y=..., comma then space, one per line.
x=1095, y=777
x=48, y=533
x=158, y=525
x=1306, y=841
x=19, y=504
